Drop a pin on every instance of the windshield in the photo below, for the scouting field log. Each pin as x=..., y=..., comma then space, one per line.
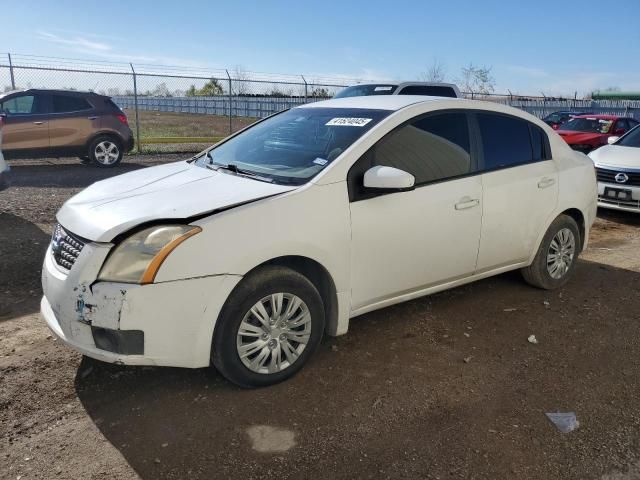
x=366, y=90
x=293, y=146
x=591, y=125
x=631, y=139
x=556, y=117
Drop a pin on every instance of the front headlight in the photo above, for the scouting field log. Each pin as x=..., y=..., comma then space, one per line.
x=138, y=258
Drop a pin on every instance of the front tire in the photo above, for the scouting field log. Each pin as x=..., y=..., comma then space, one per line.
x=269, y=327
x=105, y=151
x=555, y=260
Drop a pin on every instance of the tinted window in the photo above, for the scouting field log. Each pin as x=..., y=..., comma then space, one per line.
x=431, y=149
x=430, y=90
x=63, y=103
x=539, y=144
x=505, y=140
x=23, y=105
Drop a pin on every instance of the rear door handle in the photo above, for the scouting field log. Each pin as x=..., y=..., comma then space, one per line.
x=467, y=202
x=546, y=182
x=92, y=118
x=38, y=123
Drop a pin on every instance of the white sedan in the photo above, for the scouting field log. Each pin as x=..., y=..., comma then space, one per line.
x=244, y=256
x=618, y=172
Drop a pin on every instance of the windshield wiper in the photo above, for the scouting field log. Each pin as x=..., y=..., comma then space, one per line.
x=232, y=167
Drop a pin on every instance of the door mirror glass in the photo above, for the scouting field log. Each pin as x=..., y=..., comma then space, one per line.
x=388, y=178
x=613, y=139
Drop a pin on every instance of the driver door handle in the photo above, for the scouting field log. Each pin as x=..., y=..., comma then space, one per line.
x=38, y=123
x=467, y=202
x=92, y=118
x=546, y=182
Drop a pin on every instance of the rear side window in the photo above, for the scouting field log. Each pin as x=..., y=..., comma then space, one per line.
x=430, y=90
x=506, y=141
x=65, y=104
x=539, y=143
x=431, y=149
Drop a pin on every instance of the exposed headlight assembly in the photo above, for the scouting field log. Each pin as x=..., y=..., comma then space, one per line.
x=137, y=259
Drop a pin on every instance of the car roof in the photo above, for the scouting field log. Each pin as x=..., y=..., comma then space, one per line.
x=599, y=116
x=49, y=90
x=377, y=102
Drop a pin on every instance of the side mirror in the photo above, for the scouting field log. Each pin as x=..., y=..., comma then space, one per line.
x=388, y=178
x=613, y=139
x=618, y=132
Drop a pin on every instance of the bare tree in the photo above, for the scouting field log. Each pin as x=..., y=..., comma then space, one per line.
x=239, y=80
x=436, y=72
x=477, y=80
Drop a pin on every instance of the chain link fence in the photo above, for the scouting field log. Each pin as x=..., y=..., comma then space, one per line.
x=185, y=109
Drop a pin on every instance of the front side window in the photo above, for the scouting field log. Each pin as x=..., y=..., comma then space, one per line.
x=64, y=104
x=432, y=148
x=22, y=105
x=506, y=141
x=293, y=146
x=589, y=125
x=631, y=139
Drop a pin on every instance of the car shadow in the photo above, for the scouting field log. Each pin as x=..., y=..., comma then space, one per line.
x=398, y=375
x=22, y=248
x=618, y=216
x=64, y=175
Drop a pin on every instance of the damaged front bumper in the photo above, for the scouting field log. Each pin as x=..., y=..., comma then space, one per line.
x=169, y=323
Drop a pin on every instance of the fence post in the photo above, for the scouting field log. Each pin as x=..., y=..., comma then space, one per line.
x=13, y=80
x=230, y=99
x=305, y=88
x=135, y=100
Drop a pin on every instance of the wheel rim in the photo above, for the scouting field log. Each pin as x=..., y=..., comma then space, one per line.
x=274, y=333
x=561, y=253
x=107, y=152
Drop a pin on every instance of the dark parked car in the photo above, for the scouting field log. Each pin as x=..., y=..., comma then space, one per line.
x=57, y=123
x=555, y=119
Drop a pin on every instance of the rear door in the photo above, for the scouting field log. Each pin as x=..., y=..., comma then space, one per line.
x=520, y=188
x=73, y=120
x=26, y=125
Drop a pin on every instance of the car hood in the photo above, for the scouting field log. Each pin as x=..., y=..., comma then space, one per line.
x=173, y=191
x=615, y=156
x=579, y=137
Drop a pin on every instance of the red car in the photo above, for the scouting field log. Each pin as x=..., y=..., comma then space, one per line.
x=588, y=132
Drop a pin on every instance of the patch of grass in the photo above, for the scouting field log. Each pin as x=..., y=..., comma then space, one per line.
x=154, y=125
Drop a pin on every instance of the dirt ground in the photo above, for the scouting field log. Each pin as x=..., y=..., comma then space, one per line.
x=443, y=387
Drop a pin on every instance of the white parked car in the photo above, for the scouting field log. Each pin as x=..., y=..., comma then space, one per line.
x=245, y=255
x=618, y=172
x=4, y=168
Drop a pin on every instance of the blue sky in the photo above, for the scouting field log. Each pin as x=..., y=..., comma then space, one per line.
x=555, y=47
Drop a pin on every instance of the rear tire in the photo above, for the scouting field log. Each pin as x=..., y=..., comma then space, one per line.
x=105, y=151
x=555, y=260
x=282, y=315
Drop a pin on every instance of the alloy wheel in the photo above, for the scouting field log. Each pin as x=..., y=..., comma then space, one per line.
x=107, y=152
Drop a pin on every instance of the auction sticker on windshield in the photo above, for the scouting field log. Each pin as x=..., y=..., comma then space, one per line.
x=348, y=122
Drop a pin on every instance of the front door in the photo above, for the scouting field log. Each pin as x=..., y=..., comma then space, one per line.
x=404, y=242
x=26, y=125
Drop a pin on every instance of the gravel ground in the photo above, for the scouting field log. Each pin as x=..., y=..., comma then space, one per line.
x=445, y=386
